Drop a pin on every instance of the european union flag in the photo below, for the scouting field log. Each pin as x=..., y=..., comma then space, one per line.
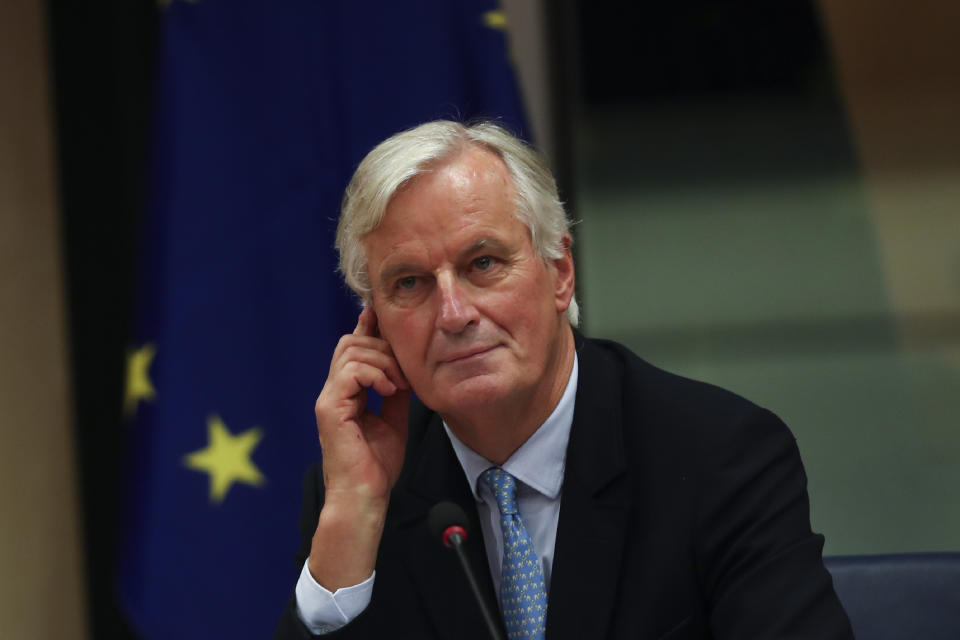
x=263, y=110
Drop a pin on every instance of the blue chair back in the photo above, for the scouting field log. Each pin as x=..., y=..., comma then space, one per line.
x=893, y=597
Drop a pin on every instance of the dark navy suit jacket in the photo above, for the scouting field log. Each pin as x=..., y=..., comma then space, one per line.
x=684, y=514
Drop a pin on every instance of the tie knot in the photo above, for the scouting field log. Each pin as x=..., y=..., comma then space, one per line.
x=504, y=488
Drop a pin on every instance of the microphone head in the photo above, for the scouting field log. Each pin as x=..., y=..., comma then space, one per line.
x=445, y=516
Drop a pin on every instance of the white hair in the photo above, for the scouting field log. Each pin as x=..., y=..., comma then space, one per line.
x=402, y=157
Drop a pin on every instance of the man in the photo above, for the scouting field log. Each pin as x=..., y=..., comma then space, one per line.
x=633, y=503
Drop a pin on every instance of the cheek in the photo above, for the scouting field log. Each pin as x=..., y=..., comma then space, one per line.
x=406, y=334
x=526, y=308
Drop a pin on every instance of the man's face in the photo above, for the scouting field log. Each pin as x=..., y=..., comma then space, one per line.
x=473, y=314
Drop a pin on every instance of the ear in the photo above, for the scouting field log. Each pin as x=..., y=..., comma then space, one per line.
x=565, y=276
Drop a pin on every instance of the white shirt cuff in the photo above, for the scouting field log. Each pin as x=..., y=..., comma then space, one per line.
x=322, y=611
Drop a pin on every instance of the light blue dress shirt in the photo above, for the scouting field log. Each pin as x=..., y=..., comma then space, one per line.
x=538, y=466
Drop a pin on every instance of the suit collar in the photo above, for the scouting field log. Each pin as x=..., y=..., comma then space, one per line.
x=594, y=505
x=595, y=454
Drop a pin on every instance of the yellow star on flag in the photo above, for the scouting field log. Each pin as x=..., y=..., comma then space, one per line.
x=495, y=19
x=138, y=385
x=227, y=458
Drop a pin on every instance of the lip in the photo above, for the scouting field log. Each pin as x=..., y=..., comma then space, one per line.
x=466, y=354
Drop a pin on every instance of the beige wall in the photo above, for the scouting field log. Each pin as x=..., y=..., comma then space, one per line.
x=528, y=48
x=898, y=66
x=41, y=582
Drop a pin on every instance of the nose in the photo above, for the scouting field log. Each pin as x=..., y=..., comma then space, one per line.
x=456, y=311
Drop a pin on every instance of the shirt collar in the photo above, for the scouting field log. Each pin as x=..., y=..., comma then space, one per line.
x=540, y=461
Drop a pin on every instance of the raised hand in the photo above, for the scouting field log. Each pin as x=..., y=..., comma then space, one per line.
x=362, y=454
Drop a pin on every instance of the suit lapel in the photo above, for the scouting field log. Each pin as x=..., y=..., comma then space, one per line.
x=436, y=476
x=594, y=506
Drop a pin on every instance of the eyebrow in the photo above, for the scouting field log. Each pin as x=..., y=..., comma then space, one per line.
x=393, y=271
x=396, y=270
x=484, y=243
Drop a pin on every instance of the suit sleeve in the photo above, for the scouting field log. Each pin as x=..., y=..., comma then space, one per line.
x=760, y=563
x=290, y=627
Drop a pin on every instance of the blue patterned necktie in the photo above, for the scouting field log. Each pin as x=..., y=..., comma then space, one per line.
x=522, y=592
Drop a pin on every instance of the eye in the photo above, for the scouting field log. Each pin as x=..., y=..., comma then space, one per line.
x=483, y=263
x=407, y=282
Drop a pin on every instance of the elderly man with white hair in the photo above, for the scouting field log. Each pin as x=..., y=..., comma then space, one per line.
x=608, y=498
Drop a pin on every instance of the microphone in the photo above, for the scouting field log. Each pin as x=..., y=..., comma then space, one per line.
x=448, y=522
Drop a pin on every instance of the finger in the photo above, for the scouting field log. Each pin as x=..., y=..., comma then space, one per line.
x=349, y=340
x=366, y=323
x=360, y=375
x=344, y=401
x=371, y=350
x=372, y=326
x=342, y=389
x=380, y=359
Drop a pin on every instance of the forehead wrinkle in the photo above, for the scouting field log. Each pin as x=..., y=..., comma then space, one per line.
x=467, y=207
x=403, y=265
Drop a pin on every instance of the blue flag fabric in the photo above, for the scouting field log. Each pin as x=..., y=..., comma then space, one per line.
x=263, y=111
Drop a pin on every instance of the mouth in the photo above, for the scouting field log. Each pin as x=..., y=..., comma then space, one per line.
x=467, y=354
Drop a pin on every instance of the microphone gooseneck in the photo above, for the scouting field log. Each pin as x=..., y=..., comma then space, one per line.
x=448, y=522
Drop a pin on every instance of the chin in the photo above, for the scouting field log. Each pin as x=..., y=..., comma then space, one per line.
x=473, y=393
